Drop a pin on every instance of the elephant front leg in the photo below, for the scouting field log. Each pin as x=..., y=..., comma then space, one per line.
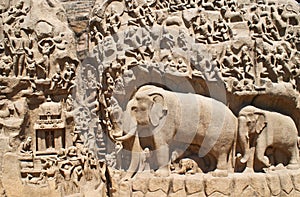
x=250, y=162
x=162, y=155
x=260, y=154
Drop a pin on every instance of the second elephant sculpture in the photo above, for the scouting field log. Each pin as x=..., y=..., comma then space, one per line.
x=158, y=119
x=262, y=129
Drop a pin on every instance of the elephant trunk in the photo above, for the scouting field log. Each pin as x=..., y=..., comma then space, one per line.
x=244, y=139
x=136, y=152
x=129, y=124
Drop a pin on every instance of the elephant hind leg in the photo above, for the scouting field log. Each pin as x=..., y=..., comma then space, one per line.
x=222, y=165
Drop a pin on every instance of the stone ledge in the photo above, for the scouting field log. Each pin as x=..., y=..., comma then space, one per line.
x=274, y=183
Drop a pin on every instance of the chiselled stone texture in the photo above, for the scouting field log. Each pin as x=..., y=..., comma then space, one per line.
x=78, y=12
x=149, y=98
x=277, y=183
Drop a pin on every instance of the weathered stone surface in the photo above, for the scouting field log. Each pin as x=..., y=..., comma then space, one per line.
x=159, y=183
x=178, y=193
x=221, y=185
x=125, y=189
x=259, y=184
x=178, y=183
x=138, y=194
x=194, y=184
x=241, y=183
x=198, y=194
x=285, y=182
x=197, y=86
x=140, y=183
x=295, y=176
x=156, y=193
x=273, y=181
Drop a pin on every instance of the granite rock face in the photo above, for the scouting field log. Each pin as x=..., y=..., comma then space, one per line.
x=149, y=98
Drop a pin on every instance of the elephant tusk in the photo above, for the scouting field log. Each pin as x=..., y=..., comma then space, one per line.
x=127, y=136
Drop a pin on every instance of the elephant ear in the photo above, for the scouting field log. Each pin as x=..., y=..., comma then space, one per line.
x=157, y=109
x=260, y=122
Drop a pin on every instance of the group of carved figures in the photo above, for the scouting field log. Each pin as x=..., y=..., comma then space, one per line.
x=186, y=130
x=271, y=56
x=26, y=53
x=69, y=168
x=107, y=22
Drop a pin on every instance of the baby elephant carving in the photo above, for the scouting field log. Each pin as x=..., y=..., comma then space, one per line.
x=188, y=166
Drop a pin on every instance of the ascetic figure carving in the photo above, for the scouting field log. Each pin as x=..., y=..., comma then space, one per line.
x=159, y=118
x=260, y=129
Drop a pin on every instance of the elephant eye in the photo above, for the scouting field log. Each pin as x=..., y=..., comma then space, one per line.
x=134, y=109
x=248, y=123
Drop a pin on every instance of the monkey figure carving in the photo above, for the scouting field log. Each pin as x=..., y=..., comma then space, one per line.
x=188, y=166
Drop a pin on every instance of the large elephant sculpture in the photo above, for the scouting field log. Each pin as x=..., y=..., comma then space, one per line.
x=261, y=129
x=157, y=119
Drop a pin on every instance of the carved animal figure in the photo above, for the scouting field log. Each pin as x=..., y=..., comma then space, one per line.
x=230, y=16
x=163, y=18
x=157, y=118
x=188, y=166
x=262, y=129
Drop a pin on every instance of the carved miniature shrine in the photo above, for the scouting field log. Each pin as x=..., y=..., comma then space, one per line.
x=149, y=98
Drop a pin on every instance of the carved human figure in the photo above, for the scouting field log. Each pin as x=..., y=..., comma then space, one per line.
x=46, y=46
x=6, y=65
x=222, y=30
x=113, y=21
x=149, y=15
x=68, y=76
x=25, y=147
x=167, y=41
x=137, y=13
x=230, y=66
x=290, y=37
x=56, y=81
x=17, y=48
x=203, y=30
x=182, y=40
x=281, y=64
x=170, y=65
x=16, y=12
x=96, y=35
x=49, y=140
x=266, y=60
x=66, y=170
x=135, y=44
x=182, y=67
x=119, y=83
x=271, y=30
x=247, y=64
x=212, y=69
x=176, y=5
x=258, y=29
x=31, y=66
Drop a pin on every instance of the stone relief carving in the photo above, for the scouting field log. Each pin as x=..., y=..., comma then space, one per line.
x=168, y=86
